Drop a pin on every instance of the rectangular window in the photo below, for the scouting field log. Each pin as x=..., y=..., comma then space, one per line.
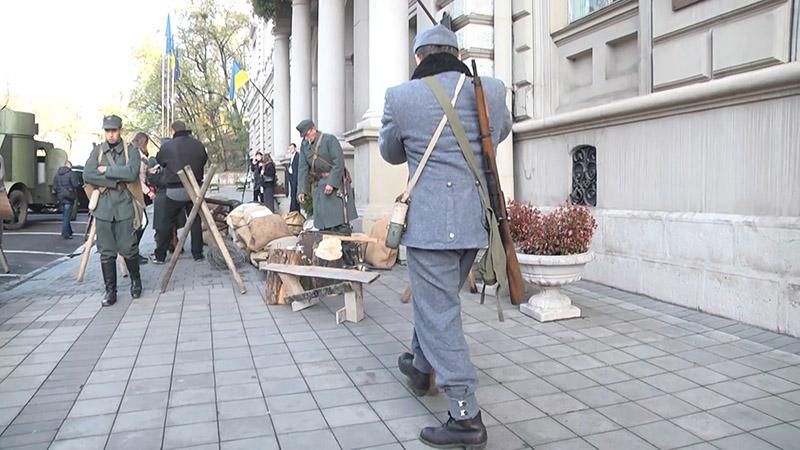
x=582, y=8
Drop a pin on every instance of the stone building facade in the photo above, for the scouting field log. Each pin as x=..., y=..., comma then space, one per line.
x=676, y=120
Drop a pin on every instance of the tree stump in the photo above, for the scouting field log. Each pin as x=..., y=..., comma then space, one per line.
x=274, y=292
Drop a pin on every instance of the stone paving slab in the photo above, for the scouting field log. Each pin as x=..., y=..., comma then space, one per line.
x=202, y=366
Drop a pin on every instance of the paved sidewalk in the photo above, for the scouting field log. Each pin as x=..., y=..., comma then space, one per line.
x=204, y=367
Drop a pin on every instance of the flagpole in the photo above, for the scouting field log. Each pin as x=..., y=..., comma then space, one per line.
x=163, y=84
x=261, y=93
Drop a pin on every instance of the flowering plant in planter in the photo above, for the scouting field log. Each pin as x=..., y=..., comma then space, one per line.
x=567, y=230
x=552, y=250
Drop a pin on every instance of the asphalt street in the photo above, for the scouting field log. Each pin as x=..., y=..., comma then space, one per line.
x=39, y=244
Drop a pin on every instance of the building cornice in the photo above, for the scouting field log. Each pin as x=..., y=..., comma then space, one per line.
x=602, y=18
x=472, y=19
x=763, y=84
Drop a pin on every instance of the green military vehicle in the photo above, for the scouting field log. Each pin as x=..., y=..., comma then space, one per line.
x=30, y=167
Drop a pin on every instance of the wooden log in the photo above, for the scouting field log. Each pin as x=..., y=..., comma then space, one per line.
x=272, y=293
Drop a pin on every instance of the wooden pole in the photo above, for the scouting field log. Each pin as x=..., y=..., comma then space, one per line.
x=87, y=249
x=198, y=197
x=4, y=261
x=185, y=231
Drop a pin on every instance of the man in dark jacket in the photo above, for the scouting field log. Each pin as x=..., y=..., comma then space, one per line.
x=175, y=154
x=291, y=171
x=65, y=187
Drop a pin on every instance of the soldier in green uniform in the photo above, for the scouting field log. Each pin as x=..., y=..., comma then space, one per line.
x=322, y=174
x=113, y=170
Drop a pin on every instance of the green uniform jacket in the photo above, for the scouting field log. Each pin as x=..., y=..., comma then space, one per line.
x=113, y=204
x=328, y=209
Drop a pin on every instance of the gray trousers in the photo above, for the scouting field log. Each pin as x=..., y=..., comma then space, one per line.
x=438, y=343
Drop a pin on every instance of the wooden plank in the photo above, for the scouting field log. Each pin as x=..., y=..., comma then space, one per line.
x=330, y=273
x=334, y=289
x=353, y=238
x=303, y=304
x=354, y=304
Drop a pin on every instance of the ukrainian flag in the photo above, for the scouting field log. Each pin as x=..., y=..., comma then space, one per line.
x=239, y=78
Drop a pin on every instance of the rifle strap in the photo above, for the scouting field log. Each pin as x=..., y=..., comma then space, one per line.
x=492, y=266
x=434, y=139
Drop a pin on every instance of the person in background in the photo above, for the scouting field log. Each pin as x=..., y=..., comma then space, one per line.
x=155, y=179
x=268, y=182
x=65, y=187
x=291, y=171
x=257, y=168
x=323, y=176
x=182, y=150
x=141, y=141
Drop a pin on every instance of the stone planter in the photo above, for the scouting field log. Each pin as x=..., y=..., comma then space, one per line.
x=550, y=273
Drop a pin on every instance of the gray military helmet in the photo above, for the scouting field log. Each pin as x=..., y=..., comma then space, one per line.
x=438, y=35
x=112, y=122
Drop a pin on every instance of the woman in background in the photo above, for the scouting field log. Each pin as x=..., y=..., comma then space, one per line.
x=268, y=181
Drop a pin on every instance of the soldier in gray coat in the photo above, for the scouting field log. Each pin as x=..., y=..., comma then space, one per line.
x=445, y=225
x=323, y=175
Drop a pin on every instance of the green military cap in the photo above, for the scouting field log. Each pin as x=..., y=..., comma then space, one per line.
x=112, y=122
x=304, y=126
x=438, y=35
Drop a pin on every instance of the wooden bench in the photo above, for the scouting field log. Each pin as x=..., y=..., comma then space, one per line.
x=350, y=284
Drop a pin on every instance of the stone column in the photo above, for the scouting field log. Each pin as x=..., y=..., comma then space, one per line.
x=300, y=64
x=377, y=183
x=388, y=52
x=330, y=67
x=503, y=57
x=282, y=128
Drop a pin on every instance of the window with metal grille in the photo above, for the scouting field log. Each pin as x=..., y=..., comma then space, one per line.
x=584, y=176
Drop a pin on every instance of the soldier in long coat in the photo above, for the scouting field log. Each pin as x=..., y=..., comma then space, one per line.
x=322, y=174
x=446, y=225
x=113, y=169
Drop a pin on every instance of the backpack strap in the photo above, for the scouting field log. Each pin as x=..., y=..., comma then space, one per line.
x=492, y=266
x=434, y=139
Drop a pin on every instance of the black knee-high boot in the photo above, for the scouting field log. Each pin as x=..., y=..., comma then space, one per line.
x=136, y=279
x=109, y=266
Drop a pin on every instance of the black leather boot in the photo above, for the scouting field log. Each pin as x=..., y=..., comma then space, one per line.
x=136, y=278
x=109, y=267
x=419, y=382
x=469, y=434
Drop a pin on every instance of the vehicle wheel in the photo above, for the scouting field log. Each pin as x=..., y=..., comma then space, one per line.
x=74, y=214
x=19, y=205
